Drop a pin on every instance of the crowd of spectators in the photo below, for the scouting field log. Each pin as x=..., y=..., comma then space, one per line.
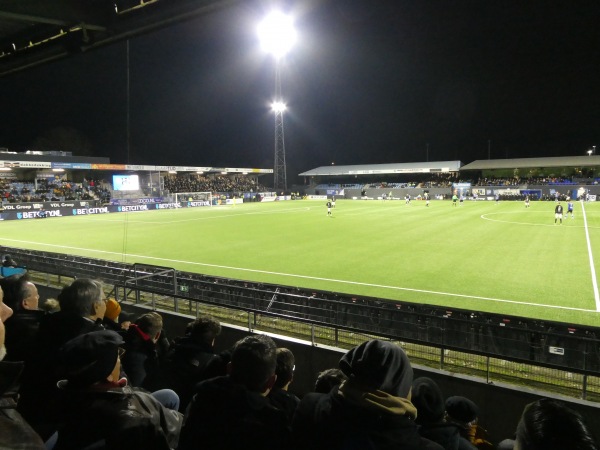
x=200, y=183
x=96, y=378
x=57, y=189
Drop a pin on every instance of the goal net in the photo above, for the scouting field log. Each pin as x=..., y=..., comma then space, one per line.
x=194, y=197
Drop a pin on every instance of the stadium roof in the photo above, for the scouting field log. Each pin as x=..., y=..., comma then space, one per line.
x=34, y=32
x=367, y=169
x=522, y=163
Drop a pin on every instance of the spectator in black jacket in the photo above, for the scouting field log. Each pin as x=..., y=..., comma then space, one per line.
x=279, y=396
x=231, y=412
x=188, y=358
x=372, y=409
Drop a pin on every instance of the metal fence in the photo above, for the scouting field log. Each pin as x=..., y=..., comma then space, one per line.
x=549, y=355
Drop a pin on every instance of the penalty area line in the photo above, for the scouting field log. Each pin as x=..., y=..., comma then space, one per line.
x=307, y=277
x=591, y=258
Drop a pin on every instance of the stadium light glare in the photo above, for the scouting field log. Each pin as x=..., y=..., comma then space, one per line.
x=278, y=107
x=224, y=173
x=589, y=152
x=58, y=170
x=277, y=34
x=200, y=172
x=173, y=171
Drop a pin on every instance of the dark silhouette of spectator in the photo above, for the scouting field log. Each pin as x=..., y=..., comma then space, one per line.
x=464, y=413
x=551, y=425
x=371, y=410
x=231, y=412
x=21, y=295
x=279, y=396
x=8, y=262
x=82, y=307
x=140, y=362
x=15, y=432
x=429, y=401
x=188, y=358
x=329, y=379
x=97, y=406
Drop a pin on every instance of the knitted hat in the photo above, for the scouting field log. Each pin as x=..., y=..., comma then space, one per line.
x=379, y=365
x=113, y=309
x=461, y=409
x=428, y=399
x=89, y=358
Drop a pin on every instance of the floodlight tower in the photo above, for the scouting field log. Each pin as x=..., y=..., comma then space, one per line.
x=277, y=35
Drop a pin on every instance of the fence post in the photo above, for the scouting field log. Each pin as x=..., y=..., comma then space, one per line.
x=487, y=369
x=312, y=334
x=584, y=387
x=441, y=358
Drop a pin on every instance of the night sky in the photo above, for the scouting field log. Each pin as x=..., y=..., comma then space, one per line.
x=368, y=82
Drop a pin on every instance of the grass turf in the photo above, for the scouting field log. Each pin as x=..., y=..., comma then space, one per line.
x=480, y=256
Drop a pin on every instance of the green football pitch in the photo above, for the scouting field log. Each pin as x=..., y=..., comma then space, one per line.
x=480, y=256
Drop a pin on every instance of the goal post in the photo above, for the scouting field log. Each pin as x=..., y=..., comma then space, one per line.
x=194, y=197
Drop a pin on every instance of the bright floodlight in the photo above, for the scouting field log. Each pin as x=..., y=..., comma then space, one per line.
x=277, y=34
x=589, y=152
x=278, y=107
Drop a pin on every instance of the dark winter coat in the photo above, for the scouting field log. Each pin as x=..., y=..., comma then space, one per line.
x=224, y=415
x=184, y=367
x=125, y=418
x=21, y=333
x=331, y=422
x=38, y=390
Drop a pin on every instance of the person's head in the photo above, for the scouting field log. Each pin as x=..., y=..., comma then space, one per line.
x=19, y=292
x=379, y=365
x=91, y=358
x=253, y=362
x=204, y=330
x=113, y=309
x=5, y=313
x=550, y=425
x=428, y=399
x=327, y=379
x=461, y=410
x=286, y=364
x=51, y=305
x=83, y=297
x=150, y=323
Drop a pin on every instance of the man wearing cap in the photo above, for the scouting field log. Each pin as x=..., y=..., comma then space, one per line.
x=372, y=409
x=96, y=405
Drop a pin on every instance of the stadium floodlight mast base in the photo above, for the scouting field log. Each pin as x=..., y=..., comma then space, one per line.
x=277, y=35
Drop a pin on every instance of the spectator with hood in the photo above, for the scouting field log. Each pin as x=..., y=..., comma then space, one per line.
x=371, y=410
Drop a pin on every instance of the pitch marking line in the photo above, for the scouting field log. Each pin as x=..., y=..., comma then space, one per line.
x=591, y=256
x=331, y=280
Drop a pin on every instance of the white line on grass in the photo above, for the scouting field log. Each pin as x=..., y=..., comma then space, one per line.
x=591, y=256
x=330, y=280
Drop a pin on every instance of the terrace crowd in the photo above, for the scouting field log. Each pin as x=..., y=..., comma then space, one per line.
x=94, y=377
x=201, y=183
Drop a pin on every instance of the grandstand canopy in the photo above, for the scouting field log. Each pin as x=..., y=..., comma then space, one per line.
x=524, y=163
x=34, y=32
x=373, y=169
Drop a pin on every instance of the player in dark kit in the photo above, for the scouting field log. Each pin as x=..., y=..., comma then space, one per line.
x=328, y=208
x=558, y=213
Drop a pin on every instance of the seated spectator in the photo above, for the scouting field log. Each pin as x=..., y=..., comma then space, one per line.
x=279, y=396
x=15, y=432
x=329, y=379
x=231, y=412
x=429, y=401
x=372, y=409
x=81, y=310
x=97, y=406
x=464, y=413
x=140, y=361
x=111, y=315
x=550, y=425
x=188, y=358
x=8, y=262
x=21, y=295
